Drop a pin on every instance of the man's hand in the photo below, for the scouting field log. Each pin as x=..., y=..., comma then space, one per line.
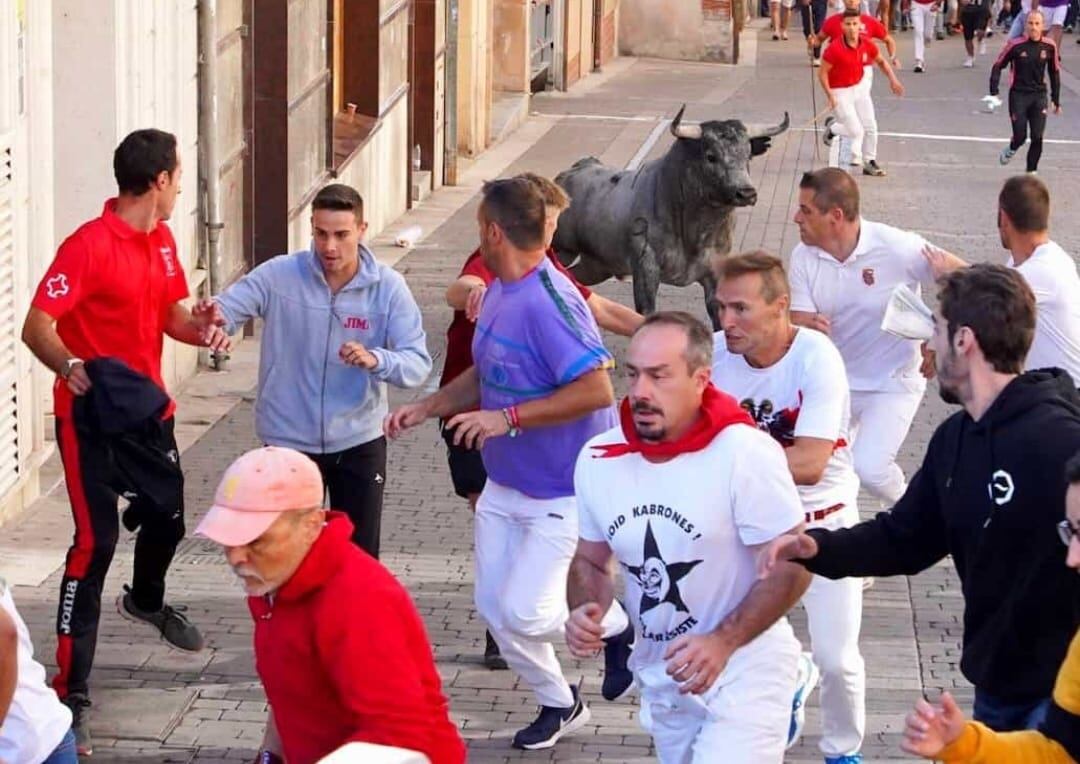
x=210, y=320
x=812, y=41
x=584, y=634
x=928, y=729
x=820, y=322
x=696, y=660
x=404, y=418
x=355, y=354
x=208, y=313
x=927, y=367
x=474, y=302
x=896, y=63
x=832, y=100
x=78, y=381
x=1057, y=108
x=896, y=86
x=942, y=262
x=790, y=546
x=473, y=428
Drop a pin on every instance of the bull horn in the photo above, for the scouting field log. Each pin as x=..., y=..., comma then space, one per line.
x=768, y=132
x=680, y=130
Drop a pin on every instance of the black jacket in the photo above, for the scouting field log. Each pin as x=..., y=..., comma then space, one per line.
x=990, y=494
x=1031, y=62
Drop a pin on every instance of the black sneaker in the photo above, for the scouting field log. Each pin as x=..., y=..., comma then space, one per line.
x=828, y=137
x=492, y=657
x=552, y=724
x=874, y=169
x=174, y=626
x=617, y=677
x=80, y=723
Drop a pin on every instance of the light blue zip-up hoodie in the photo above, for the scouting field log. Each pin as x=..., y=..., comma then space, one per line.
x=309, y=399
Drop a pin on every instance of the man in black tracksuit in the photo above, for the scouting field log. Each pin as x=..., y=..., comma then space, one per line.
x=990, y=493
x=1032, y=57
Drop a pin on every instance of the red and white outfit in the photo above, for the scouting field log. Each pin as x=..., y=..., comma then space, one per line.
x=855, y=117
x=870, y=27
x=882, y=369
x=923, y=18
x=805, y=395
x=682, y=531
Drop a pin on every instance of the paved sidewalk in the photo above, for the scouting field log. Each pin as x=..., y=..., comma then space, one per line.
x=154, y=705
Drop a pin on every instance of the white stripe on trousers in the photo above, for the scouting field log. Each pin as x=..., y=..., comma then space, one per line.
x=523, y=551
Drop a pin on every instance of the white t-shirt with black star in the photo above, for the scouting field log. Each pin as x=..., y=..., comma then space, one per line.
x=681, y=530
x=804, y=394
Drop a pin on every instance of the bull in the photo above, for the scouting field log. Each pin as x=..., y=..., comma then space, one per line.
x=667, y=220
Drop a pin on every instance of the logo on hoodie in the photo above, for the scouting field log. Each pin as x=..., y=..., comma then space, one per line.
x=1001, y=487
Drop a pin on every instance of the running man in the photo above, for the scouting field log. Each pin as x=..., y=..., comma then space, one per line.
x=1032, y=58
x=923, y=17
x=791, y=380
x=465, y=296
x=105, y=296
x=974, y=18
x=841, y=76
x=833, y=30
x=681, y=494
x=780, y=13
x=542, y=386
x=842, y=275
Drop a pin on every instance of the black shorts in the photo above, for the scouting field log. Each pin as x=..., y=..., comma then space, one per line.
x=466, y=467
x=973, y=17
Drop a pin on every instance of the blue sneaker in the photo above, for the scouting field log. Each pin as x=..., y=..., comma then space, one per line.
x=851, y=758
x=807, y=679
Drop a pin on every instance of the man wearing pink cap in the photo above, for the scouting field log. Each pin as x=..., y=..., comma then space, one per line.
x=332, y=674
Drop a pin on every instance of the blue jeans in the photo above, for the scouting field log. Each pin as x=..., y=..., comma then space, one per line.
x=65, y=752
x=1008, y=716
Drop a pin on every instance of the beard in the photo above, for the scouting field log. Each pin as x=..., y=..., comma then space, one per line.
x=251, y=582
x=948, y=394
x=651, y=432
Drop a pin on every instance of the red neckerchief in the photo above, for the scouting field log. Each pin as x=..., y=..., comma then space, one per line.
x=718, y=410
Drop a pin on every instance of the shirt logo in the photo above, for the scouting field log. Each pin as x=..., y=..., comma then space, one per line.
x=658, y=578
x=355, y=322
x=170, y=262
x=57, y=286
x=868, y=276
x=1001, y=487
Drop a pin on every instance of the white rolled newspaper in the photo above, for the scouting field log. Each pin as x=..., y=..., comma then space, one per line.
x=907, y=316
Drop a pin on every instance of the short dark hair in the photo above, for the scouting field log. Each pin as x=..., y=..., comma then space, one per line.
x=774, y=280
x=553, y=193
x=852, y=13
x=998, y=306
x=1072, y=469
x=341, y=198
x=833, y=188
x=1026, y=200
x=141, y=157
x=699, y=340
x=517, y=206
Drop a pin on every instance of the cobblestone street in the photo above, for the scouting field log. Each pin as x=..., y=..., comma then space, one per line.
x=155, y=705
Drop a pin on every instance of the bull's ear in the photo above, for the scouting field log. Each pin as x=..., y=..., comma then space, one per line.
x=759, y=146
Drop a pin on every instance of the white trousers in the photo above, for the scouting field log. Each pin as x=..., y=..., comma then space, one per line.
x=870, y=137
x=523, y=551
x=742, y=719
x=855, y=119
x=834, y=613
x=922, y=21
x=879, y=423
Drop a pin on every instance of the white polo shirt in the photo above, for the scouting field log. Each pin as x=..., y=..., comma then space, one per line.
x=682, y=529
x=1051, y=274
x=803, y=395
x=853, y=295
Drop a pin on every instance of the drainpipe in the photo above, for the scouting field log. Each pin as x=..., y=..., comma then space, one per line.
x=209, y=163
x=450, y=96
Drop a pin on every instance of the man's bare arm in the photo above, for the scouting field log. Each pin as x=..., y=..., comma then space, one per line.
x=461, y=394
x=587, y=393
x=807, y=459
x=457, y=294
x=590, y=578
x=811, y=320
x=39, y=334
x=614, y=316
x=766, y=602
x=9, y=662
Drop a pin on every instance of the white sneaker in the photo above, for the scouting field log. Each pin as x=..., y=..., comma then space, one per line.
x=969, y=62
x=805, y=682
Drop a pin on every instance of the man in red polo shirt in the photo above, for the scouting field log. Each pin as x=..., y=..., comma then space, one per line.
x=465, y=296
x=841, y=76
x=114, y=290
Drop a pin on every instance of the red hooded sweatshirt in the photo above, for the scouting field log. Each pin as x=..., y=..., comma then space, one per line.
x=343, y=656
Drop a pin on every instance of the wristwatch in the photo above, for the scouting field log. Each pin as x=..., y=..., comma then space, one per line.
x=69, y=364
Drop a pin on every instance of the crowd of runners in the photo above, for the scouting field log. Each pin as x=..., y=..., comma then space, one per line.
x=718, y=494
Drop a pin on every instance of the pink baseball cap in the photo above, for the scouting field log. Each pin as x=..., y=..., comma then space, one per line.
x=256, y=489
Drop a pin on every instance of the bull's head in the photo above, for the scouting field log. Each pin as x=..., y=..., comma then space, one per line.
x=719, y=156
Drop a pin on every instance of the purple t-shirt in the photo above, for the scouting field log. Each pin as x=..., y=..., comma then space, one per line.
x=534, y=336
